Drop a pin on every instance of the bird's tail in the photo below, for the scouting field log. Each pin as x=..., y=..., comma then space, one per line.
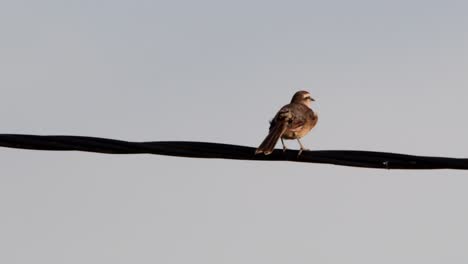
x=269, y=142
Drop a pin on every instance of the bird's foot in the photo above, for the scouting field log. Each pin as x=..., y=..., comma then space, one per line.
x=300, y=151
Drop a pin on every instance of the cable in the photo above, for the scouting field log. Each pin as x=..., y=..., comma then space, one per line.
x=365, y=159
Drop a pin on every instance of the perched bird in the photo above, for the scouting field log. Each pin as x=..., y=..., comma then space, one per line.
x=293, y=121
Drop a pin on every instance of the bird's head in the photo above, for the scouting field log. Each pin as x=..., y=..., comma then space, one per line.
x=302, y=97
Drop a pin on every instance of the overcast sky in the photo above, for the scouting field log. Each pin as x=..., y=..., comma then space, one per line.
x=387, y=76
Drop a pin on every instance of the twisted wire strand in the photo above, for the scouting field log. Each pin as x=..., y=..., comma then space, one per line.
x=354, y=158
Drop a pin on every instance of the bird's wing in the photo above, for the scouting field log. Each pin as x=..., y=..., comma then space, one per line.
x=297, y=123
x=299, y=116
x=282, y=116
x=291, y=115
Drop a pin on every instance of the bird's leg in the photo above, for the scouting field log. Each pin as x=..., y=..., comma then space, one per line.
x=302, y=147
x=284, y=146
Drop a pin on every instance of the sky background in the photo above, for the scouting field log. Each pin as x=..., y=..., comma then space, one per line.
x=387, y=76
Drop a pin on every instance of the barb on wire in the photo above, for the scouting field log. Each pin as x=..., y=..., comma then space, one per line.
x=366, y=159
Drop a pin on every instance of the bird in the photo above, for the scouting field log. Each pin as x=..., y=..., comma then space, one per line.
x=293, y=121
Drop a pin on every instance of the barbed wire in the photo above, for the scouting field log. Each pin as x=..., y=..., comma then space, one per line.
x=355, y=158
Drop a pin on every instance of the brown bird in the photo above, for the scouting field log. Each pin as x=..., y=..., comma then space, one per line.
x=293, y=121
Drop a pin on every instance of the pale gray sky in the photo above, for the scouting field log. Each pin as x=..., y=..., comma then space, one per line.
x=387, y=76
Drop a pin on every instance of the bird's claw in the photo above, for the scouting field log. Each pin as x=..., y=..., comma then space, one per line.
x=300, y=151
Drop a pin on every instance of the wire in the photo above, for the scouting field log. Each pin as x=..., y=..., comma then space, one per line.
x=365, y=159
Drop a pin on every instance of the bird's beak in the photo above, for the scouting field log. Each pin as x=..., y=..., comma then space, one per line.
x=312, y=99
